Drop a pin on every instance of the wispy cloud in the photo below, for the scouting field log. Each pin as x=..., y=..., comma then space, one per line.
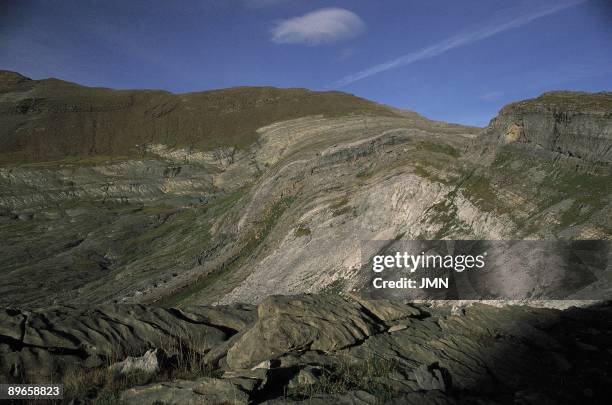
x=323, y=26
x=461, y=39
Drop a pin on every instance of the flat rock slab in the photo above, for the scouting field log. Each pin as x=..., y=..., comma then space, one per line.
x=205, y=390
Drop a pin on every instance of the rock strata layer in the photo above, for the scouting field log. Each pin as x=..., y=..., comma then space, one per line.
x=231, y=196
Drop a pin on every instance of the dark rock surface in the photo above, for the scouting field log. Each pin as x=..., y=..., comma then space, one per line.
x=332, y=348
x=40, y=344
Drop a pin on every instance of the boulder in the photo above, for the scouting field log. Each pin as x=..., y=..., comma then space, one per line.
x=309, y=375
x=297, y=323
x=149, y=363
x=397, y=328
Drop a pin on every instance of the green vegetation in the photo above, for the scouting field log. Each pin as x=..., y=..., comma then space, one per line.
x=302, y=231
x=22, y=160
x=556, y=183
x=589, y=193
x=187, y=362
x=103, y=122
x=339, y=204
x=425, y=172
x=340, y=207
x=570, y=101
x=161, y=209
x=364, y=174
x=175, y=223
x=250, y=242
x=438, y=148
x=589, y=186
x=101, y=382
x=478, y=189
x=335, y=287
x=445, y=213
x=178, y=231
x=367, y=375
x=342, y=211
x=506, y=156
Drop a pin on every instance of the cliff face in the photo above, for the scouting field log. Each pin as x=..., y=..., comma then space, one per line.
x=233, y=195
x=574, y=128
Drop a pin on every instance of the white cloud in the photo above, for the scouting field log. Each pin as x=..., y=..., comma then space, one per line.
x=323, y=26
x=456, y=41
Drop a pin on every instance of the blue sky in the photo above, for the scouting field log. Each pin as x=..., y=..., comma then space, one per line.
x=450, y=60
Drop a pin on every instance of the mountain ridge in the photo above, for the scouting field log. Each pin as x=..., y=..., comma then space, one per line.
x=146, y=260
x=102, y=121
x=282, y=209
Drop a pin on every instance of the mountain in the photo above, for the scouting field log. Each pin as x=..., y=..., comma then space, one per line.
x=233, y=195
x=52, y=119
x=203, y=247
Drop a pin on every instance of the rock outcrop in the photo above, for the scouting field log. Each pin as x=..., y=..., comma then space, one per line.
x=574, y=128
x=327, y=348
x=40, y=344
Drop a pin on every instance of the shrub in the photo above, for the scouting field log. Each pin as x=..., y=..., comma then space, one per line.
x=302, y=231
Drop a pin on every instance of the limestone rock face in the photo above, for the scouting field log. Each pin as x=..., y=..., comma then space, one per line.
x=227, y=226
x=387, y=310
x=429, y=378
x=576, y=128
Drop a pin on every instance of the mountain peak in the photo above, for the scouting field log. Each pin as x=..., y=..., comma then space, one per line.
x=8, y=79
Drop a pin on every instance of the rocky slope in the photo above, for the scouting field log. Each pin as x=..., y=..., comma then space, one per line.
x=314, y=349
x=574, y=128
x=233, y=195
x=125, y=214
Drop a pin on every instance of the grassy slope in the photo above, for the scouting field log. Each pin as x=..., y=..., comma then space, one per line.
x=568, y=101
x=52, y=119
